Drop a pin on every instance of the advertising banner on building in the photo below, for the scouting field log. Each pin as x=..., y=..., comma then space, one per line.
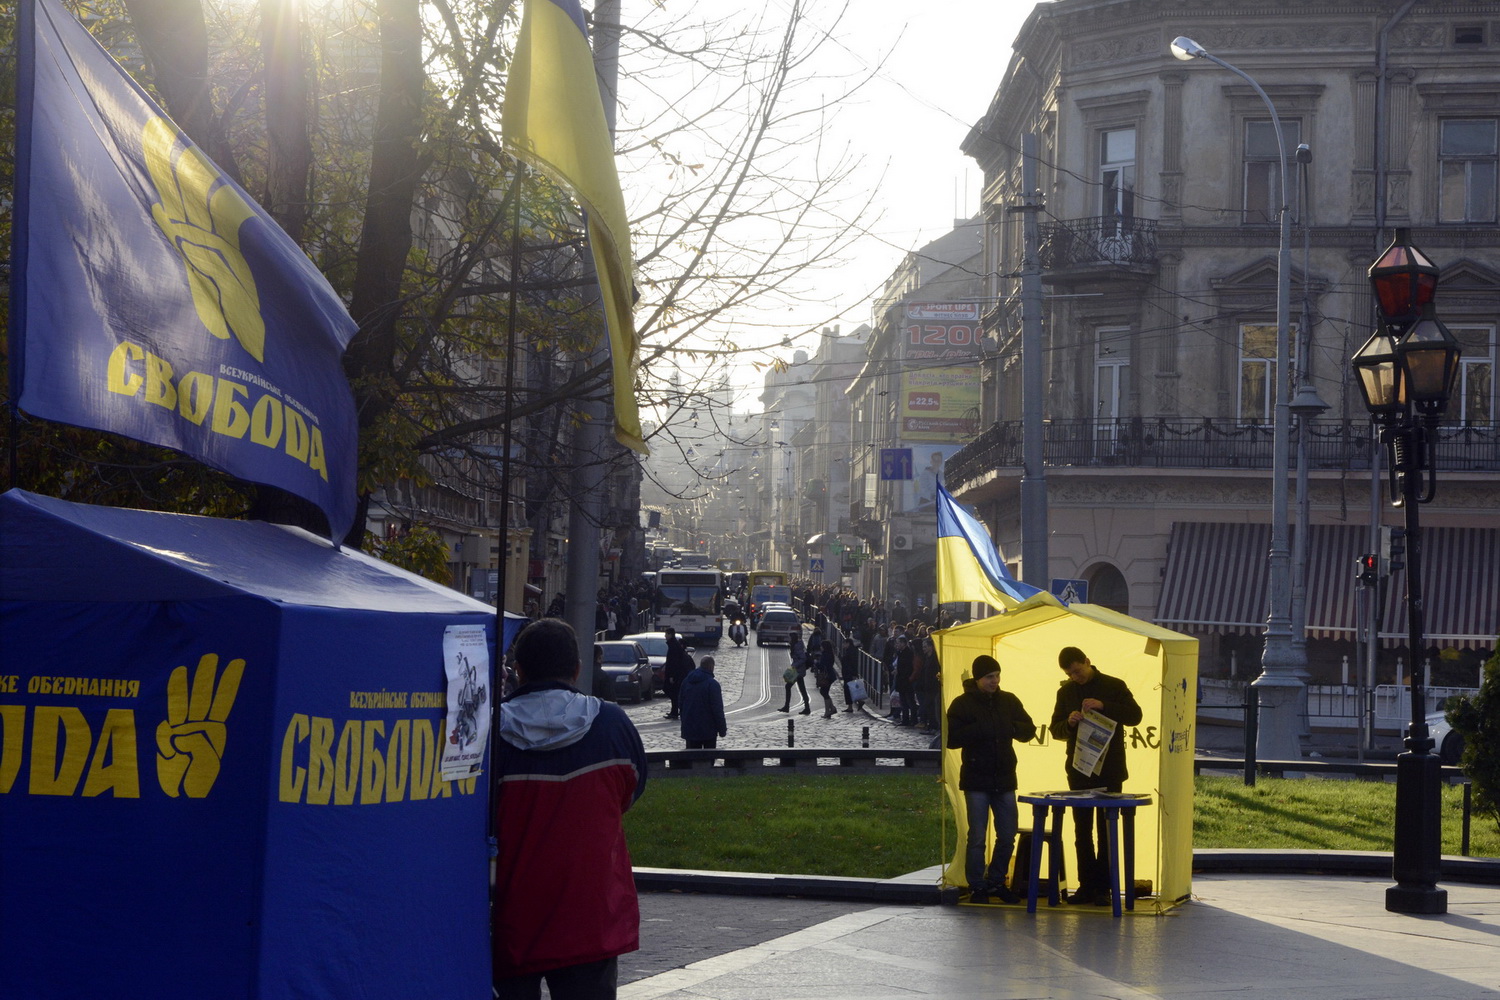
x=940, y=355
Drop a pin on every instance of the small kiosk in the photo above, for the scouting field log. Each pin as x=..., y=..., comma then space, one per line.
x=1161, y=667
x=219, y=746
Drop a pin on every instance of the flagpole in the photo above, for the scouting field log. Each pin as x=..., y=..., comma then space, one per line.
x=20, y=212
x=589, y=456
x=497, y=658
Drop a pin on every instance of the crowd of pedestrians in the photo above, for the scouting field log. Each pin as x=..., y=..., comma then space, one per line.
x=882, y=645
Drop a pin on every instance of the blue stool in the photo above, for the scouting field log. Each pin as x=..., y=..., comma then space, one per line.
x=1113, y=804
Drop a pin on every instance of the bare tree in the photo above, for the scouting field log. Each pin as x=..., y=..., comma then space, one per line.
x=374, y=141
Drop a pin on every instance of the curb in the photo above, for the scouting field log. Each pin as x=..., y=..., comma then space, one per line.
x=1348, y=864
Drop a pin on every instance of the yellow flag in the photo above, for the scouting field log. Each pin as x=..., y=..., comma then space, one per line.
x=554, y=119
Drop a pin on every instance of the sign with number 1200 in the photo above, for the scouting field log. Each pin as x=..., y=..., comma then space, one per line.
x=942, y=335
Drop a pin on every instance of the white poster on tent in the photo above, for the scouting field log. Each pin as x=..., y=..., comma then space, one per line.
x=466, y=658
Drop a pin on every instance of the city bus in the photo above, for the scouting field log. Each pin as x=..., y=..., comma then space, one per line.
x=767, y=585
x=691, y=601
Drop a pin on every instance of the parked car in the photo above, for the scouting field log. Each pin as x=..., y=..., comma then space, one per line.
x=629, y=668
x=777, y=625
x=655, y=645
x=1448, y=744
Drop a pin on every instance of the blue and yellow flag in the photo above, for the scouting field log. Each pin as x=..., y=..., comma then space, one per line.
x=968, y=566
x=152, y=298
x=554, y=119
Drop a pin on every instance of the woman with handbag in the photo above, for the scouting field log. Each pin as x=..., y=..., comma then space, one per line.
x=849, y=672
x=828, y=672
x=796, y=674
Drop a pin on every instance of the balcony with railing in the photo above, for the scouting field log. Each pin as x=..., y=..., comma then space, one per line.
x=1158, y=443
x=1079, y=247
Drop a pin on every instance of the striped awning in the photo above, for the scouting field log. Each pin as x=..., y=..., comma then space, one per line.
x=1216, y=580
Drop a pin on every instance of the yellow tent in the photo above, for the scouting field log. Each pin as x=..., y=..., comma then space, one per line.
x=1161, y=667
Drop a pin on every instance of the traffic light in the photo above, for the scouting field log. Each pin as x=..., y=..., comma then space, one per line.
x=1368, y=569
x=1392, y=549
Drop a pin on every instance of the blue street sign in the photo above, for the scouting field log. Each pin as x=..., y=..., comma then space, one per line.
x=1070, y=591
x=895, y=463
x=815, y=565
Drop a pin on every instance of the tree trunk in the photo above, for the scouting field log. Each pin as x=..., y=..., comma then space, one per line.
x=288, y=125
x=173, y=36
x=386, y=239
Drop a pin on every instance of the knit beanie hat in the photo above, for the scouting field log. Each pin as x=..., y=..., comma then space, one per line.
x=984, y=665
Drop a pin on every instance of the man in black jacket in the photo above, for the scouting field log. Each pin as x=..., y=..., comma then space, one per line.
x=984, y=722
x=1088, y=690
x=678, y=665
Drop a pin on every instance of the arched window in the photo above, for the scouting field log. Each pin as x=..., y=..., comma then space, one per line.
x=1107, y=588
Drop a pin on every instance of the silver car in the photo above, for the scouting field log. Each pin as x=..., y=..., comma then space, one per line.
x=777, y=625
x=655, y=645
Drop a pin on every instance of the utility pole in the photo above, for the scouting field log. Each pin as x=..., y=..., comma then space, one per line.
x=1035, y=569
x=589, y=438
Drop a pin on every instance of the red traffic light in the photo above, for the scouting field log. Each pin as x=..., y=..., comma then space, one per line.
x=1367, y=569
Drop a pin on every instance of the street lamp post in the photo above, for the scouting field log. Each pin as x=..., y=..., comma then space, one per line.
x=1405, y=372
x=1279, y=687
x=1306, y=406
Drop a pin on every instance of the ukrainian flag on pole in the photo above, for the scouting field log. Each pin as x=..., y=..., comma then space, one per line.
x=968, y=566
x=554, y=119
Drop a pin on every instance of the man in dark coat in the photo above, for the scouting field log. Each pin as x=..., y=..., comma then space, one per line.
x=1088, y=690
x=678, y=665
x=702, y=708
x=985, y=723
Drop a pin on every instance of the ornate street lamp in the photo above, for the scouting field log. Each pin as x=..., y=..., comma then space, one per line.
x=1279, y=688
x=1405, y=372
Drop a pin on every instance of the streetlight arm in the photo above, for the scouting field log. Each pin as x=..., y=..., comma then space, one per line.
x=1275, y=118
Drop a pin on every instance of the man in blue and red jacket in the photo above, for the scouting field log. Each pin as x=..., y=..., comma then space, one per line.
x=567, y=767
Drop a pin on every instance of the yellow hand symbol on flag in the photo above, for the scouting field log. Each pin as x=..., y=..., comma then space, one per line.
x=201, y=214
x=190, y=743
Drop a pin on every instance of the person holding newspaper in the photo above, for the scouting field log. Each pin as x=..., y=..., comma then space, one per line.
x=1100, y=707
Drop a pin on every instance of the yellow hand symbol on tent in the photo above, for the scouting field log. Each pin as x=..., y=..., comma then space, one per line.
x=190, y=743
x=202, y=215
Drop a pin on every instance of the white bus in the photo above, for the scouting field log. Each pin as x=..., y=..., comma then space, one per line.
x=691, y=601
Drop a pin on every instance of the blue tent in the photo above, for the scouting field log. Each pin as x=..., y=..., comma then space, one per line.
x=218, y=765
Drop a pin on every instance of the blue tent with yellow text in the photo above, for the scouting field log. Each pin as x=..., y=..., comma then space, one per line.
x=1161, y=667
x=219, y=746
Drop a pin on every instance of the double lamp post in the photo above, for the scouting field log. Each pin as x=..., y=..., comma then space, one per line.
x=1405, y=372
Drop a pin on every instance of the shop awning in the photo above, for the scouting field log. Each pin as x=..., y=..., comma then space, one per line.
x=1216, y=580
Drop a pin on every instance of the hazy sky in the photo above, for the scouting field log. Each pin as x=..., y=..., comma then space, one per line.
x=943, y=60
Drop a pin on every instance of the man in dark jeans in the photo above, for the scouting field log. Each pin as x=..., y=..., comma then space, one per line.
x=1089, y=690
x=678, y=665
x=985, y=723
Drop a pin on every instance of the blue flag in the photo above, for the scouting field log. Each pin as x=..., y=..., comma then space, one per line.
x=152, y=298
x=968, y=566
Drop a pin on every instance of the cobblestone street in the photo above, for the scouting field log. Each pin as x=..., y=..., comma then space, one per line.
x=751, y=678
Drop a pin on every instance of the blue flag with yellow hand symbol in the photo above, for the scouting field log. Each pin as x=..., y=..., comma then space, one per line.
x=151, y=297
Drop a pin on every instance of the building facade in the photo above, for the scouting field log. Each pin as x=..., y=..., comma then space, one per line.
x=915, y=403
x=1161, y=185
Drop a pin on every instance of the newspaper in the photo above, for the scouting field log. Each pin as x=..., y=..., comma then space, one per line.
x=1094, y=733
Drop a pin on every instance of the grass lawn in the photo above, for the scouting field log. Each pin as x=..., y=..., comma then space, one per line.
x=880, y=826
